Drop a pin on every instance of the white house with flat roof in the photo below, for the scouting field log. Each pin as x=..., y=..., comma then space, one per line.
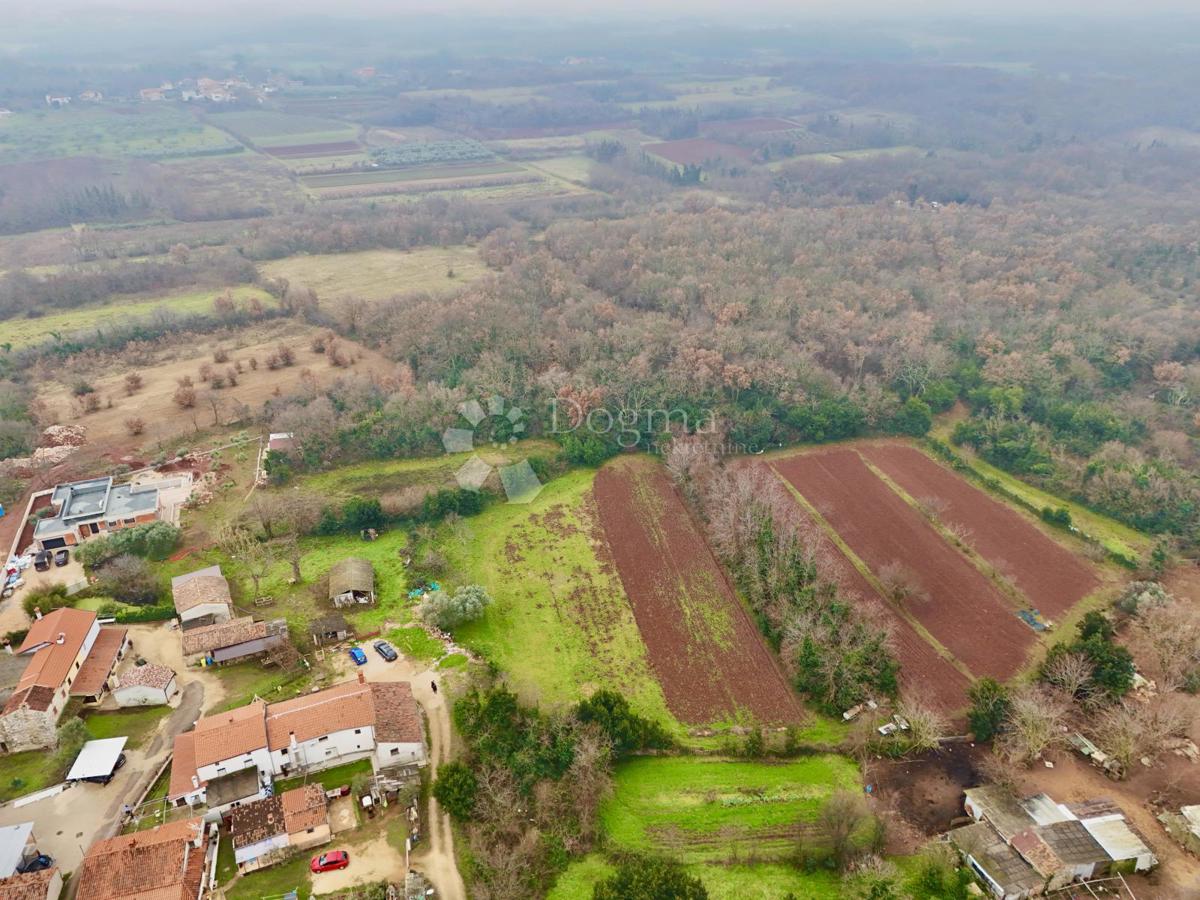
x=82, y=509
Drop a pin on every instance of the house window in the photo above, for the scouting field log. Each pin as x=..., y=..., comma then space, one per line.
x=395, y=751
x=323, y=737
x=311, y=830
x=131, y=521
x=283, y=752
x=358, y=731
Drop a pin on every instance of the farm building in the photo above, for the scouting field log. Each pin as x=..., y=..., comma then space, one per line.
x=44, y=885
x=279, y=443
x=202, y=597
x=82, y=509
x=1022, y=848
x=17, y=847
x=166, y=862
x=148, y=685
x=270, y=830
x=351, y=581
x=330, y=629
x=67, y=655
x=347, y=722
x=234, y=640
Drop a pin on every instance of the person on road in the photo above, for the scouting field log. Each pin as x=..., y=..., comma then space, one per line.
x=433, y=684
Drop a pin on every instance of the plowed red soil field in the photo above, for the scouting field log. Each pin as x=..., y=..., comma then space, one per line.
x=697, y=151
x=708, y=655
x=1051, y=576
x=923, y=672
x=961, y=607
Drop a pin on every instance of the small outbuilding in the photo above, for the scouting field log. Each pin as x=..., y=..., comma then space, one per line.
x=97, y=760
x=148, y=685
x=330, y=629
x=351, y=582
x=202, y=597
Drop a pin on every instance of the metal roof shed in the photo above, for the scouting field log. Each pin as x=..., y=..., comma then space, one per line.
x=1121, y=842
x=97, y=759
x=13, y=841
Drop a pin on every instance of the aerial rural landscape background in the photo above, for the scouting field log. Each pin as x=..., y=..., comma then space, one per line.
x=663, y=454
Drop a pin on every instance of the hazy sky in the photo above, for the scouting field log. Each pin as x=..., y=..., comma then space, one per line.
x=891, y=9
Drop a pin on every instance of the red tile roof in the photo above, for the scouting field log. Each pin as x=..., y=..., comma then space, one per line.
x=397, y=716
x=304, y=808
x=346, y=705
x=223, y=634
x=230, y=734
x=159, y=864
x=50, y=665
x=183, y=766
x=100, y=662
x=30, y=886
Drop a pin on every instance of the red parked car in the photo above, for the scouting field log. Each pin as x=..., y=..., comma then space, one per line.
x=328, y=862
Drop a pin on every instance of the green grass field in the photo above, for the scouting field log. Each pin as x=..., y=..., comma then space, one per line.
x=24, y=773
x=745, y=882
x=149, y=132
x=706, y=809
x=23, y=332
x=274, y=881
x=245, y=681
x=269, y=128
x=377, y=274
x=419, y=173
x=560, y=625
x=136, y=724
x=576, y=169
x=328, y=778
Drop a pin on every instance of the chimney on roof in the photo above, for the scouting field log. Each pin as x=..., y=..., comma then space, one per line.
x=362, y=679
x=37, y=612
x=61, y=639
x=195, y=782
x=292, y=740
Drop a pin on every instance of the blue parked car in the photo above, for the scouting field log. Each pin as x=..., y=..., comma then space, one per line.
x=356, y=654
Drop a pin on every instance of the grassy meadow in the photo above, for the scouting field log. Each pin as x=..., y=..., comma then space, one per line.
x=23, y=332
x=378, y=274
x=560, y=625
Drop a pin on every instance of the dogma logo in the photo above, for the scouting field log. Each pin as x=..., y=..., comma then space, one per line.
x=496, y=425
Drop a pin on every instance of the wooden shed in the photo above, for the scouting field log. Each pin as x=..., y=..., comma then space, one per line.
x=330, y=629
x=351, y=581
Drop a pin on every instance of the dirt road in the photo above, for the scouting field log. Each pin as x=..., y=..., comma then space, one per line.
x=435, y=857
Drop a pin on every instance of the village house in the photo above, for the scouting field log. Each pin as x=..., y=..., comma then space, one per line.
x=232, y=641
x=270, y=830
x=351, y=582
x=68, y=655
x=91, y=96
x=82, y=509
x=279, y=443
x=167, y=863
x=347, y=722
x=1024, y=848
x=148, y=685
x=202, y=597
x=57, y=101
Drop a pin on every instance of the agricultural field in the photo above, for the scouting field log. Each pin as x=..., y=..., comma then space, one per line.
x=22, y=332
x=576, y=169
x=165, y=422
x=751, y=88
x=1053, y=578
x=942, y=560
x=142, y=132
x=560, y=625
x=267, y=129
x=946, y=593
x=420, y=173
x=378, y=274
x=697, y=151
x=708, y=655
x=734, y=128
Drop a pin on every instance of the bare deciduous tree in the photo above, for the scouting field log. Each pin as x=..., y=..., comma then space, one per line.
x=840, y=817
x=926, y=725
x=1032, y=725
x=1070, y=673
x=1130, y=730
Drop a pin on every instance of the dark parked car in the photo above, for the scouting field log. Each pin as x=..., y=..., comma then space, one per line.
x=327, y=862
x=41, y=562
x=37, y=864
x=62, y=557
x=384, y=649
x=105, y=779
